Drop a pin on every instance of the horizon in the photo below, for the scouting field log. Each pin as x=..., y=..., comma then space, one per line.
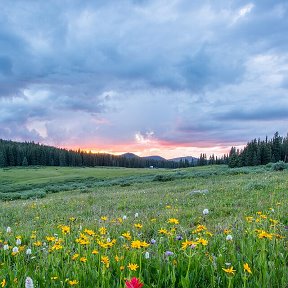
x=145, y=77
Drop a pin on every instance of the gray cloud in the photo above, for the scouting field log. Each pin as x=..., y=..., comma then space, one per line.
x=102, y=71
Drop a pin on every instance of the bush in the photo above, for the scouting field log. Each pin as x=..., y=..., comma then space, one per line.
x=278, y=166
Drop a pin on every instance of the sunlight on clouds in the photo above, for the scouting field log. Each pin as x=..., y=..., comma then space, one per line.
x=144, y=138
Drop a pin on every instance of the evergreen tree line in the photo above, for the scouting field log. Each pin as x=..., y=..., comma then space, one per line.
x=29, y=153
x=260, y=152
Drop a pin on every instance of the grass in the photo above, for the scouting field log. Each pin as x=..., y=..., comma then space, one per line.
x=76, y=218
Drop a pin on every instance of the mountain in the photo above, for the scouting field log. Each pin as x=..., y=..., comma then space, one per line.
x=129, y=155
x=191, y=159
x=154, y=157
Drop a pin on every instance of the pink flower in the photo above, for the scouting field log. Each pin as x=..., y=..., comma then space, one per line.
x=134, y=283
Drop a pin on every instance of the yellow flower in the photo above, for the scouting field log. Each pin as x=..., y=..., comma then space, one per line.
x=264, y=234
x=168, y=207
x=173, y=221
x=95, y=252
x=102, y=230
x=136, y=244
x=247, y=268
x=104, y=218
x=83, y=259
x=65, y=229
x=227, y=231
x=75, y=256
x=138, y=225
x=200, y=228
x=50, y=238
x=162, y=231
x=37, y=243
x=202, y=241
x=133, y=267
x=3, y=283
x=127, y=235
x=249, y=219
x=89, y=232
x=54, y=277
x=188, y=243
x=122, y=268
x=72, y=219
x=105, y=260
x=73, y=282
x=229, y=270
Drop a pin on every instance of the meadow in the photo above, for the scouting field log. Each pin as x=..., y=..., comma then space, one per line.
x=209, y=226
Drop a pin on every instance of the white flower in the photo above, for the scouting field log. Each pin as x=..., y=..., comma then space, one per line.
x=29, y=283
x=229, y=237
x=108, y=240
x=124, y=217
x=136, y=215
x=28, y=251
x=205, y=211
x=147, y=255
x=18, y=241
x=8, y=230
x=6, y=247
x=15, y=249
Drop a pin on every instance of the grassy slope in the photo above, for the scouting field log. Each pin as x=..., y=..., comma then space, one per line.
x=230, y=197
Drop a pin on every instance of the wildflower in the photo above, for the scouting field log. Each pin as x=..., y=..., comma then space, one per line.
x=133, y=283
x=18, y=241
x=229, y=270
x=3, y=283
x=122, y=267
x=89, y=232
x=162, y=231
x=229, y=237
x=75, y=256
x=15, y=250
x=54, y=277
x=83, y=259
x=94, y=252
x=133, y=267
x=187, y=243
x=102, y=230
x=227, y=231
x=8, y=229
x=168, y=253
x=200, y=228
x=124, y=217
x=105, y=260
x=205, y=211
x=104, y=218
x=179, y=237
x=147, y=255
x=249, y=219
x=202, y=241
x=72, y=219
x=65, y=229
x=73, y=282
x=136, y=215
x=153, y=241
x=127, y=235
x=138, y=225
x=6, y=247
x=247, y=268
x=28, y=251
x=29, y=283
x=264, y=234
x=173, y=221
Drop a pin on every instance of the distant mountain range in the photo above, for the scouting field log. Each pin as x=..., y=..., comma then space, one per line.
x=190, y=159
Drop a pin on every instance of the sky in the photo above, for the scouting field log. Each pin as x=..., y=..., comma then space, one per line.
x=153, y=77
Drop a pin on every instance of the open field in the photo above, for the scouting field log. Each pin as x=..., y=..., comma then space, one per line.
x=78, y=230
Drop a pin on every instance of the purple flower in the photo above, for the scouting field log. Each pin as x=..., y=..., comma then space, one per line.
x=179, y=237
x=153, y=241
x=169, y=253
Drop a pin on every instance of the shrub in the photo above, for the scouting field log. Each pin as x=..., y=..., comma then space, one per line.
x=278, y=166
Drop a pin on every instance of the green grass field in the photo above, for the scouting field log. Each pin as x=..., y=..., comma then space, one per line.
x=76, y=223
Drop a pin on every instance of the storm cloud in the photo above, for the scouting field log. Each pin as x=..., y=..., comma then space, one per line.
x=144, y=76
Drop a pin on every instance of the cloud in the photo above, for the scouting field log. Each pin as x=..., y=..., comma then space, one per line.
x=97, y=73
